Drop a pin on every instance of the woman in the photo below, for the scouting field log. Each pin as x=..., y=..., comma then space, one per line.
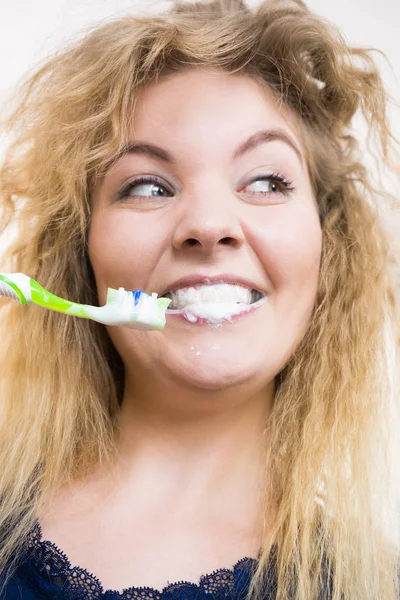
x=207, y=148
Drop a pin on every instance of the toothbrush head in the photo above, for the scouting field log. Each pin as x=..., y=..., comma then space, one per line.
x=136, y=309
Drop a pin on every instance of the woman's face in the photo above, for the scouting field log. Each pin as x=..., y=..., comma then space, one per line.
x=216, y=207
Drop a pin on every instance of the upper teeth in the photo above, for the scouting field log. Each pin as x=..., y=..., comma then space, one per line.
x=219, y=292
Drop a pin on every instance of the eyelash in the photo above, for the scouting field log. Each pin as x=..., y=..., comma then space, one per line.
x=274, y=177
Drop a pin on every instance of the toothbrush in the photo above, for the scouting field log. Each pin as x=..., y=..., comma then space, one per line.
x=135, y=309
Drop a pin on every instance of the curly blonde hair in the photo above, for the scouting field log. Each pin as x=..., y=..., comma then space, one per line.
x=62, y=379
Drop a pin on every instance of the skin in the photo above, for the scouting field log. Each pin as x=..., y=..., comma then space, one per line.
x=187, y=488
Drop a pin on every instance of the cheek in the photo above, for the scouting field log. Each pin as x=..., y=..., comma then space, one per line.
x=290, y=245
x=291, y=250
x=122, y=250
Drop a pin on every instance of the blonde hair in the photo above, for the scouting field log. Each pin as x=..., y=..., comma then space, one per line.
x=62, y=379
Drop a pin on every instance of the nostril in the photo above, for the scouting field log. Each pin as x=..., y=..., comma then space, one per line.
x=194, y=242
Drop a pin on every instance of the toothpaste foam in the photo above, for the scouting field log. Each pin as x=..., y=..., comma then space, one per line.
x=214, y=312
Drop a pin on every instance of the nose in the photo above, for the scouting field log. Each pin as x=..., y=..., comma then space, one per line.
x=208, y=221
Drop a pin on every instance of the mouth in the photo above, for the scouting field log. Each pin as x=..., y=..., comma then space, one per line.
x=215, y=314
x=214, y=304
x=183, y=299
x=179, y=304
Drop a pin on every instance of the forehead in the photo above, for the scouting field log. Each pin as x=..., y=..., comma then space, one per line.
x=197, y=103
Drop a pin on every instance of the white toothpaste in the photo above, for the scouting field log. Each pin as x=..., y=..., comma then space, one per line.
x=213, y=303
x=214, y=312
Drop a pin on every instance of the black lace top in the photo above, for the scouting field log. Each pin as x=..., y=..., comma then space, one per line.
x=45, y=572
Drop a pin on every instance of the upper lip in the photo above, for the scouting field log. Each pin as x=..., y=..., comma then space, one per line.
x=192, y=280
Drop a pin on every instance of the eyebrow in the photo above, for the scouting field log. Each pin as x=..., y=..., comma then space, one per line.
x=260, y=137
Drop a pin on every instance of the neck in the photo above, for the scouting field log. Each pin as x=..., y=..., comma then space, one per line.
x=195, y=449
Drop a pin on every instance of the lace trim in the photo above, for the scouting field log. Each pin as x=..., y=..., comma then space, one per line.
x=54, y=575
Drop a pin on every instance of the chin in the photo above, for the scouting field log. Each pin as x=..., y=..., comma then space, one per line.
x=212, y=375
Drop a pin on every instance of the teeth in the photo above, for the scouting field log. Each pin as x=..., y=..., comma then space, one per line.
x=220, y=292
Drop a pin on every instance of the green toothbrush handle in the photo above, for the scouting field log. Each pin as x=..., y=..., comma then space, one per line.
x=123, y=307
x=46, y=299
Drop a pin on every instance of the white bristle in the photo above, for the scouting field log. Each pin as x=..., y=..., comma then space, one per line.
x=7, y=291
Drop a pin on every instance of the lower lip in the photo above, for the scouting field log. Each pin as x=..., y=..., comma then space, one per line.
x=230, y=321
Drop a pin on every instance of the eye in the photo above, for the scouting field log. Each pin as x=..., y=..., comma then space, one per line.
x=153, y=187
x=144, y=187
x=273, y=184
